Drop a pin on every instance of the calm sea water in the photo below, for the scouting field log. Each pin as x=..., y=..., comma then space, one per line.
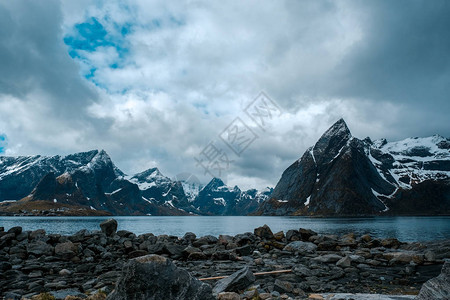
x=402, y=228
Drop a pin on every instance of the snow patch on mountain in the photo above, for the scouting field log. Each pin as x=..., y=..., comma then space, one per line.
x=191, y=190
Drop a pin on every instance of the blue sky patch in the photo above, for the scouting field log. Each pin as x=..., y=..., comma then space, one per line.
x=92, y=34
x=2, y=143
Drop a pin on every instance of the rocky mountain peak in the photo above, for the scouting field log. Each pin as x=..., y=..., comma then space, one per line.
x=338, y=129
x=215, y=183
x=331, y=142
x=148, y=175
x=343, y=175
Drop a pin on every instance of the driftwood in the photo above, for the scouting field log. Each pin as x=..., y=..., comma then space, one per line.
x=256, y=274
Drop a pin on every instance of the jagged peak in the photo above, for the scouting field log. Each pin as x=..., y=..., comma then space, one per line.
x=89, y=155
x=148, y=175
x=339, y=128
x=215, y=182
x=332, y=140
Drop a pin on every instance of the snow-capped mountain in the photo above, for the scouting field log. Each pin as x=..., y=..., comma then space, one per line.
x=216, y=198
x=159, y=189
x=411, y=161
x=19, y=175
x=90, y=183
x=343, y=175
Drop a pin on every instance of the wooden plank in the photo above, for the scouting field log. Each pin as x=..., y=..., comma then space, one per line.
x=256, y=274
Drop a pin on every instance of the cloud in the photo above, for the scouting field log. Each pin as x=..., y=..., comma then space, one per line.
x=154, y=82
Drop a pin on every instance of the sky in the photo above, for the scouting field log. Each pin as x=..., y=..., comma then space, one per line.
x=164, y=84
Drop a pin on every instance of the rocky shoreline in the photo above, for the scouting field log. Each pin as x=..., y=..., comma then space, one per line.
x=91, y=263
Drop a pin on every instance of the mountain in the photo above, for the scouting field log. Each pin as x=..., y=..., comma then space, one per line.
x=160, y=189
x=344, y=176
x=89, y=183
x=216, y=198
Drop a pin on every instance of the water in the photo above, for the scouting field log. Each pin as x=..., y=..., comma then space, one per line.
x=403, y=228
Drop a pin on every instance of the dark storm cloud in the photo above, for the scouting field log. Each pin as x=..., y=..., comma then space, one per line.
x=404, y=58
x=33, y=56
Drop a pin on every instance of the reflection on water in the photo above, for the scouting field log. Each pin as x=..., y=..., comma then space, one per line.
x=402, y=228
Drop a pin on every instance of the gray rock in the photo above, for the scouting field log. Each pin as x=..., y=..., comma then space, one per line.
x=264, y=232
x=205, y=240
x=283, y=286
x=109, y=227
x=236, y=282
x=302, y=270
x=175, y=250
x=430, y=256
x=66, y=250
x=301, y=247
x=189, y=237
x=293, y=235
x=36, y=234
x=8, y=237
x=244, y=250
x=4, y=266
x=62, y=294
x=12, y=296
x=16, y=230
x=40, y=248
x=344, y=262
x=23, y=236
x=437, y=288
x=244, y=238
x=154, y=277
x=228, y=296
x=64, y=272
x=328, y=258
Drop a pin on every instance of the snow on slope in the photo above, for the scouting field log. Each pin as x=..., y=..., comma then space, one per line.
x=415, y=159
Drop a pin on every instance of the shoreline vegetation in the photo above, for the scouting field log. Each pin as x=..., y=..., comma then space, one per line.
x=94, y=264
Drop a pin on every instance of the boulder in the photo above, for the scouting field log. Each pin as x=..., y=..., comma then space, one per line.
x=328, y=258
x=245, y=238
x=16, y=230
x=344, y=262
x=238, y=281
x=244, y=250
x=329, y=245
x=437, y=288
x=301, y=247
x=306, y=233
x=66, y=250
x=12, y=296
x=293, y=235
x=36, y=234
x=279, y=236
x=225, y=239
x=264, y=232
x=430, y=256
x=283, y=286
x=404, y=257
x=40, y=248
x=228, y=296
x=63, y=294
x=109, y=227
x=189, y=237
x=391, y=243
x=205, y=240
x=155, y=277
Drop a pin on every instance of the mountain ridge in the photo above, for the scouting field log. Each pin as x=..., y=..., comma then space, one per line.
x=90, y=182
x=344, y=176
